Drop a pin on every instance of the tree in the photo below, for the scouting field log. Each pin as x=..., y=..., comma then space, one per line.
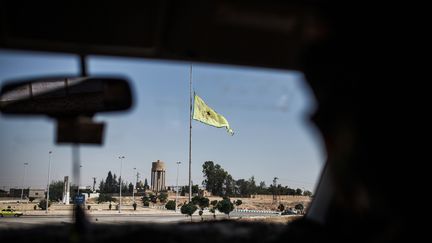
x=202, y=203
x=130, y=188
x=298, y=192
x=225, y=206
x=56, y=190
x=110, y=185
x=229, y=186
x=42, y=204
x=101, y=186
x=281, y=207
x=140, y=186
x=146, y=186
x=299, y=207
x=238, y=202
x=307, y=193
x=153, y=198
x=188, y=209
x=215, y=178
x=146, y=200
x=185, y=189
x=105, y=198
x=163, y=196
x=170, y=205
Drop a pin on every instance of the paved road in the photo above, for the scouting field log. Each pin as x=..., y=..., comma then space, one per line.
x=35, y=220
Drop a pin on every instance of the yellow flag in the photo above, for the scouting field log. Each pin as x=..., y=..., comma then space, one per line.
x=203, y=113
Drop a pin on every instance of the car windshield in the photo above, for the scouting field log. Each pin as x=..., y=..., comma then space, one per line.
x=269, y=165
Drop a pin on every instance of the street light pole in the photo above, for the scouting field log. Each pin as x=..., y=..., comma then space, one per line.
x=120, y=183
x=22, y=187
x=79, y=182
x=178, y=163
x=133, y=188
x=48, y=184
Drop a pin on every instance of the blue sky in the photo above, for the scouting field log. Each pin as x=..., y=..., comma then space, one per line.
x=267, y=109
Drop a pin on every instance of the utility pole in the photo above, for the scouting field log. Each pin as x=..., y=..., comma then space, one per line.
x=177, y=189
x=133, y=188
x=48, y=184
x=274, y=189
x=79, y=181
x=22, y=187
x=94, y=184
x=120, y=178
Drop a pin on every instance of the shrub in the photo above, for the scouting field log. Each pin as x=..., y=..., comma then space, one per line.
x=42, y=204
x=170, y=205
x=188, y=209
x=163, y=196
x=281, y=207
x=225, y=206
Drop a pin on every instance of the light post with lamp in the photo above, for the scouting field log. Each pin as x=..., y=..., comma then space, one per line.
x=48, y=184
x=120, y=178
x=79, y=181
x=177, y=189
x=22, y=187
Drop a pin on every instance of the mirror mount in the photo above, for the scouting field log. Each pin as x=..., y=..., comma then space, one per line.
x=79, y=129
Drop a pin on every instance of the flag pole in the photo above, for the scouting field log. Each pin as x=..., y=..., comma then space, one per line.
x=190, y=132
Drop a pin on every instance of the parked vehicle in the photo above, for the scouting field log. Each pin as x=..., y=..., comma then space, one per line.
x=10, y=212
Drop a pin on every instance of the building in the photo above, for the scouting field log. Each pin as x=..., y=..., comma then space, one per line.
x=36, y=193
x=158, y=176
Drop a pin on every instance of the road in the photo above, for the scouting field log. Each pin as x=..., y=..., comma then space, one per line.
x=36, y=220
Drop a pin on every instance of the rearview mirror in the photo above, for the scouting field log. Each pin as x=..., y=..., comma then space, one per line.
x=66, y=97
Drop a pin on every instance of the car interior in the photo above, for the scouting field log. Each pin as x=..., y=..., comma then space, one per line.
x=328, y=41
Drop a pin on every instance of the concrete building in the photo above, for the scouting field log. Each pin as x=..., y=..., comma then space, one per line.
x=36, y=193
x=158, y=176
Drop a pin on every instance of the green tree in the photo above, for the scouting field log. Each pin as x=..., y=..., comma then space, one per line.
x=42, y=204
x=225, y=206
x=188, y=209
x=185, y=189
x=298, y=192
x=146, y=200
x=146, y=185
x=105, y=198
x=299, y=207
x=238, y=202
x=307, y=193
x=170, y=205
x=130, y=188
x=56, y=190
x=202, y=203
x=215, y=178
x=281, y=207
x=153, y=198
x=229, y=186
x=163, y=196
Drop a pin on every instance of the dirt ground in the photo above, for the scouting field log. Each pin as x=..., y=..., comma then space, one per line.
x=259, y=203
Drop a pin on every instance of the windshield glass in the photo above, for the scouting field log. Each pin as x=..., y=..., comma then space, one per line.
x=269, y=167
